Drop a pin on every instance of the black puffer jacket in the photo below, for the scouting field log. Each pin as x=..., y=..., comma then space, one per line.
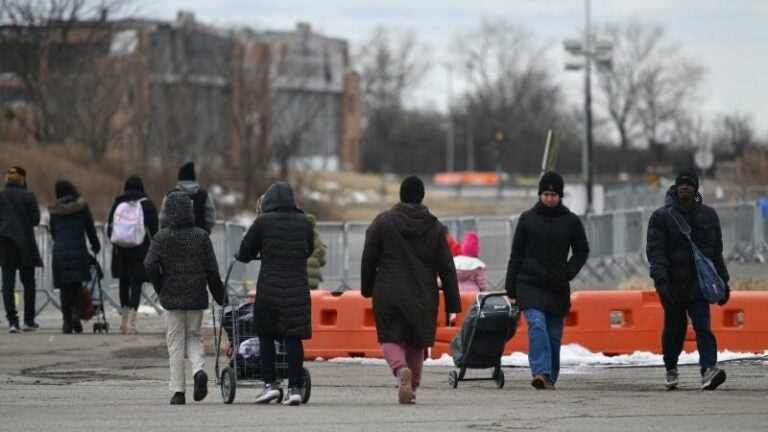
x=670, y=254
x=71, y=221
x=282, y=238
x=181, y=260
x=19, y=214
x=539, y=270
x=130, y=261
x=405, y=249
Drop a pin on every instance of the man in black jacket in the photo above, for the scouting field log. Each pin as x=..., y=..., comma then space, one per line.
x=202, y=203
x=19, y=214
x=539, y=274
x=674, y=275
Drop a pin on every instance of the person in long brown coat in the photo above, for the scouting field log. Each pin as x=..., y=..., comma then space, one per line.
x=405, y=248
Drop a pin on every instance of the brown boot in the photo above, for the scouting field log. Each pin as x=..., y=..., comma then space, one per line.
x=405, y=387
x=541, y=382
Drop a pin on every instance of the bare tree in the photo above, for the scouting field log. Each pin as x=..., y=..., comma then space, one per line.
x=58, y=49
x=650, y=83
x=510, y=90
x=733, y=134
x=390, y=67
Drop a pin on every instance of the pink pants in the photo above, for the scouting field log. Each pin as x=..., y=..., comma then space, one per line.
x=399, y=356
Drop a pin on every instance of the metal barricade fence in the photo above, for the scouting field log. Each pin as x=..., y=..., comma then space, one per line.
x=617, y=249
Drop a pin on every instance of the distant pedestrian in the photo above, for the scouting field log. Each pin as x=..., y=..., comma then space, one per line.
x=316, y=261
x=180, y=263
x=674, y=274
x=202, y=203
x=470, y=270
x=539, y=274
x=19, y=215
x=405, y=247
x=71, y=222
x=131, y=224
x=282, y=238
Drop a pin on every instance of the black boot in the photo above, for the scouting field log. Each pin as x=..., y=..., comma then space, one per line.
x=178, y=399
x=66, y=310
x=77, y=326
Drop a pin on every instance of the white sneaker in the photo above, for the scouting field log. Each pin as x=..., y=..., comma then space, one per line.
x=271, y=393
x=293, y=397
x=13, y=329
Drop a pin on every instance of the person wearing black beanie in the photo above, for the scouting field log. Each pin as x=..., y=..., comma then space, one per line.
x=675, y=276
x=412, y=190
x=404, y=249
x=202, y=203
x=539, y=274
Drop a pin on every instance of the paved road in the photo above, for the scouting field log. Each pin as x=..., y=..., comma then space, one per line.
x=54, y=382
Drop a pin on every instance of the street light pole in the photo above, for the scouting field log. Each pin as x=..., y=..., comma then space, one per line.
x=587, y=160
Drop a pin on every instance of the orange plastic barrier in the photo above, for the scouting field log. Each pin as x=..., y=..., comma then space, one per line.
x=622, y=322
x=342, y=326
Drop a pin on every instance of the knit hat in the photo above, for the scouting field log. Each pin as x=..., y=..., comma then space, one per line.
x=412, y=190
x=187, y=172
x=551, y=181
x=687, y=176
x=470, y=246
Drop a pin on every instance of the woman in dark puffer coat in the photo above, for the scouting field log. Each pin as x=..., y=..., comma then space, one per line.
x=282, y=238
x=180, y=263
x=71, y=221
x=128, y=263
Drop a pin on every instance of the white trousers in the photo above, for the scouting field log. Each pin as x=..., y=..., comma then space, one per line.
x=182, y=328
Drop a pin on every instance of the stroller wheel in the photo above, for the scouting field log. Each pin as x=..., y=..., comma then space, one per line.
x=453, y=379
x=228, y=385
x=499, y=377
x=307, y=389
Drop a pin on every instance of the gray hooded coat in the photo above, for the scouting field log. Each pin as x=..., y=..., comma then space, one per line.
x=282, y=238
x=181, y=261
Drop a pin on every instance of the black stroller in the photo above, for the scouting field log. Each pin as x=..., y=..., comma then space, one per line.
x=94, y=287
x=479, y=344
x=244, y=366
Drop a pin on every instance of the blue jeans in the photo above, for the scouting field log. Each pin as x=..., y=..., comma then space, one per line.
x=294, y=350
x=675, y=325
x=27, y=276
x=545, y=332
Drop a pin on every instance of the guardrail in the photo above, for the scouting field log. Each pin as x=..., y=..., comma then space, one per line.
x=617, y=243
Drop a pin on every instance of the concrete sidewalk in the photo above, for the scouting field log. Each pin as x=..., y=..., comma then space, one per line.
x=50, y=381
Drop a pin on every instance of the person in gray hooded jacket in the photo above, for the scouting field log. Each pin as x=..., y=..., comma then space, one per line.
x=202, y=204
x=180, y=263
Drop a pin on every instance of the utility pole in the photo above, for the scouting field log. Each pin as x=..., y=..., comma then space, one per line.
x=498, y=136
x=450, y=163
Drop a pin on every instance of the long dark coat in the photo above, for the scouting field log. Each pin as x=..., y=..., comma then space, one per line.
x=539, y=270
x=405, y=250
x=282, y=238
x=19, y=214
x=181, y=260
x=670, y=254
x=130, y=261
x=71, y=221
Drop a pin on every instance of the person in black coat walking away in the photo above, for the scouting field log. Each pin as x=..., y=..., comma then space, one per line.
x=539, y=274
x=71, y=222
x=19, y=214
x=129, y=251
x=180, y=263
x=202, y=203
x=405, y=247
x=674, y=274
x=282, y=238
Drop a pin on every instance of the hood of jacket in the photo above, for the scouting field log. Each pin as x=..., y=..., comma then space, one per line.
x=279, y=196
x=67, y=205
x=178, y=210
x=671, y=200
x=466, y=263
x=130, y=195
x=189, y=187
x=412, y=220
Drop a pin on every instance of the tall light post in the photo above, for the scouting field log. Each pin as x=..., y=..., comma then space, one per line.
x=600, y=53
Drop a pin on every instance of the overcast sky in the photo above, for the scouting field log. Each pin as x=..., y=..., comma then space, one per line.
x=729, y=37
